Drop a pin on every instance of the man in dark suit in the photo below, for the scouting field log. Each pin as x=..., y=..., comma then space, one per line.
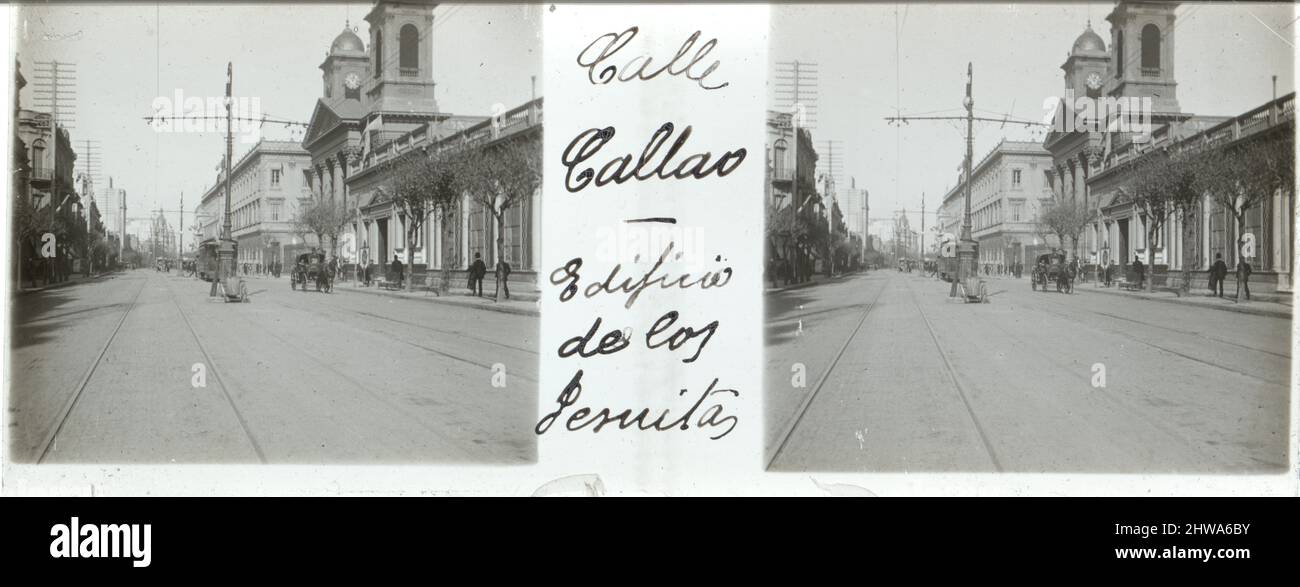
x=476, y=273
x=1218, y=273
x=1139, y=269
x=396, y=270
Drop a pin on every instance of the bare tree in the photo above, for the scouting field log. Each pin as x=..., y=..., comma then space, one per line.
x=502, y=177
x=423, y=184
x=1065, y=219
x=1150, y=187
x=1164, y=184
x=324, y=218
x=1242, y=177
x=450, y=177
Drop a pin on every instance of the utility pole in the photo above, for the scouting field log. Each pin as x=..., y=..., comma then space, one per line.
x=795, y=86
x=866, y=225
x=55, y=91
x=922, y=246
x=967, y=248
x=227, y=249
x=180, y=229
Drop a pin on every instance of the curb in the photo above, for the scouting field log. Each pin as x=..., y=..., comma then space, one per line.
x=808, y=283
x=1257, y=311
x=68, y=283
x=432, y=298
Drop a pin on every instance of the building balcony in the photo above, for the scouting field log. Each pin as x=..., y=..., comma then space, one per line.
x=40, y=175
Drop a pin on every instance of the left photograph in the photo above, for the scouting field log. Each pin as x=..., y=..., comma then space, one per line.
x=274, y=233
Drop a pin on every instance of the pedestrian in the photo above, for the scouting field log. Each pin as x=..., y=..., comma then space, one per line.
x=1243, y=277
x=1218, y=273
x=477, y=271
x=503, y=276
x=1139, y=269
x=396, y=270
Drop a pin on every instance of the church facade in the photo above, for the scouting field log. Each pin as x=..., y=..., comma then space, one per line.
x=1120, y=104
x=378, y=104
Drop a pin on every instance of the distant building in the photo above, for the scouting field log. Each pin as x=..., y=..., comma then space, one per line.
x=268, y=188
x=1009, y=189
x=791, y=198
x=112, y=201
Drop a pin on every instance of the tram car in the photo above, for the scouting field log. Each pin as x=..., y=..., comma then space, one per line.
x=205, y=262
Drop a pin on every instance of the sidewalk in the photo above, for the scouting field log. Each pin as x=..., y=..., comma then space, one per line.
x=24, y=288
x=510, y=306
x=817, y=278
x=1277, y=305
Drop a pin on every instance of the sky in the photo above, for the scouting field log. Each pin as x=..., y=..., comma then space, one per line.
x=878, y=59
x=127, y=55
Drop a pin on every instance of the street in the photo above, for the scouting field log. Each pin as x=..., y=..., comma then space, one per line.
x=900, y=379
x=143, y=367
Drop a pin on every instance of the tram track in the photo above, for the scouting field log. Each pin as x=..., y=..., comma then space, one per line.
x=221, y=382
x=1107, y=393
x=793, y=423
x=401, y=411
x=1176, y=330
x=956, y=384
x=1159, y=347
x=438, y=352
x=51, y=436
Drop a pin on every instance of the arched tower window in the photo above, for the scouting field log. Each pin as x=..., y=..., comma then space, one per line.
x=378, y=49
x=1150, y=47
x=778, y=158
x=38, y=155
x=409, y=41
x=1120, y=56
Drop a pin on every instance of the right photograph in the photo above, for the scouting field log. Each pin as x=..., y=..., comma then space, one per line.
x=1030, y=238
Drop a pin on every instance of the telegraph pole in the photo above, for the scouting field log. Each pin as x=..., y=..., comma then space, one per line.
x=967, y=248
x=922, y=245
x=226, y=250
x=180, y=229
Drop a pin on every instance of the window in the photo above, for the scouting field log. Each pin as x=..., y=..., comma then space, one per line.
x=408, y=41
x=1015, y=177
x=275, y=212
x=778, y=159
x=275, y=178
x=378, y=49
x=1150, y=49
x=38, y=156
x=1119, y=53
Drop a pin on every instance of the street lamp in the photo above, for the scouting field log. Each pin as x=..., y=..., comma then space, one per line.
x=967, y=248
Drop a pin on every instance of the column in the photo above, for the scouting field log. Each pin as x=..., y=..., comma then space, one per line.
x=1083, y=177
x=1072, y=180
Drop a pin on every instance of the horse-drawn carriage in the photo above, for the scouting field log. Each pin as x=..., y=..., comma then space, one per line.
x=1051, y=269
x=311, y=268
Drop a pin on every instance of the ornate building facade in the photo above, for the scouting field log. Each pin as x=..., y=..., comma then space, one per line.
x=1011, y=185
x=1121, y=104
x=378, y=105
x=268, y=187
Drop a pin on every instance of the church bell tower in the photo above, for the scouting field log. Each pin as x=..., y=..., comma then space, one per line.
x=1142, y=58
x=401, y=51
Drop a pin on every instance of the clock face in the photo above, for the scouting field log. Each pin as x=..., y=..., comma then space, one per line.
x=1094, y=81
x=352, y=81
